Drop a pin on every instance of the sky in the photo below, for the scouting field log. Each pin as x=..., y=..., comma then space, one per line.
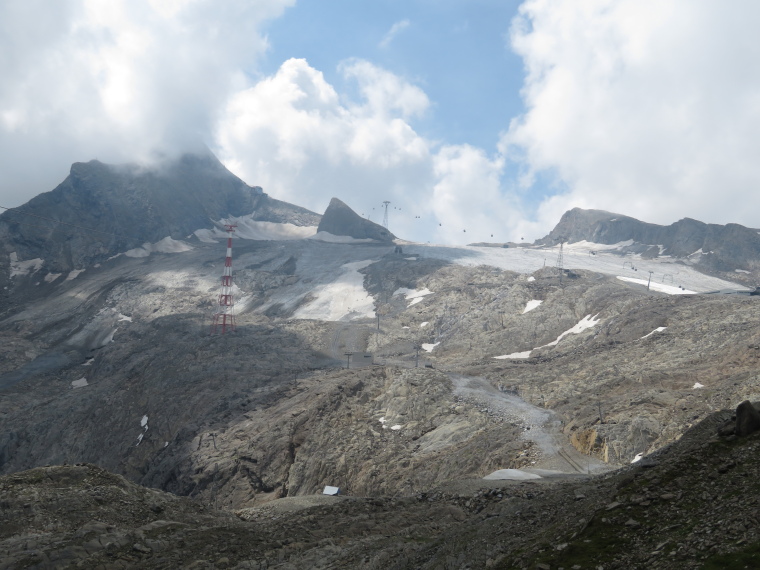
x=479, y=120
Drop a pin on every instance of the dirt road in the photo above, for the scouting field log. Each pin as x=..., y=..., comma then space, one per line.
x=540, y=426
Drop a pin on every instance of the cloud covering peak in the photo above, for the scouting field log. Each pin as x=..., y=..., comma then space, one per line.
x=641, y=107
x=117, y=80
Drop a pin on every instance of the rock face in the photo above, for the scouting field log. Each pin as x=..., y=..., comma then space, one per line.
x=340, y=220
x=104, y=209
x=717, y=247
x=745, y=421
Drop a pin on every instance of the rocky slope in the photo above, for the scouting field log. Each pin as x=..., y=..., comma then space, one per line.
x=461, y=361
x=693, y=505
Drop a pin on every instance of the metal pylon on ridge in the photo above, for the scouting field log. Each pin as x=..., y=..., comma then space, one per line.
x=385, y=217
x=560, y=256
x=224, y=317
x=561, y=259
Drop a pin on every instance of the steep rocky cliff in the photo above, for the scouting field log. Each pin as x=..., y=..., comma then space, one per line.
x=341, y=220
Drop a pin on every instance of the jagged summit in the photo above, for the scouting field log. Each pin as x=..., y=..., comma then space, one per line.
x=341, y=220
x=123, y=206
x=713, y=246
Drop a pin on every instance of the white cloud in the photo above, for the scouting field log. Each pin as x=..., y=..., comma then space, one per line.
x=297, y=137
x=115, y=80
x=468, y=199
x=393, y=32
x=642, y=107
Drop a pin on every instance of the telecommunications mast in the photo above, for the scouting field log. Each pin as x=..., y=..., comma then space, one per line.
x=224, y=317
x=385, y=217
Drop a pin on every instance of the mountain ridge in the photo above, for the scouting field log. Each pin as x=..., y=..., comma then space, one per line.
x=722, y=248
x=100, y=210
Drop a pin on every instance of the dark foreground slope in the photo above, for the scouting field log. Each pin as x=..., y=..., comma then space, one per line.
x=691, y=505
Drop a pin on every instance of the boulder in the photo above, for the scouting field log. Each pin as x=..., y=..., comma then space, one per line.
x=747, y=419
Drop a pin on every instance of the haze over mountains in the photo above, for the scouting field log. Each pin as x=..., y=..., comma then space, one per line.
x=402, y=377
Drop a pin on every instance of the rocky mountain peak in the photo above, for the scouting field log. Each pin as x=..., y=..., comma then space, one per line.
x=714, y=247
x=100, y=210
x=340, y=220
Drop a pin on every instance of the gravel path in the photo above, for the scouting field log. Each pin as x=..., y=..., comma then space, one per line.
x=540, y=426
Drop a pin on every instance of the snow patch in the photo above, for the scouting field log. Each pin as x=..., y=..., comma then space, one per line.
x=396, y=427
x=50, y=277
x=423, y=325
x=637, y=458
x=413, y=295
x=24, y=267
x=429, y=347
x=531, y=278
x=74, y=274
x=511, y=475
x=585, y=323
x=525, y=354
x=742, y=271
x=332, y=238
x=144, y=422
x=697, y=385
x=124, y=318
x=166, y=245
x=248, y=228
x=584, y=245
x=109, y=337
x=343, y=299
x=89, y=362
x=81, y=383
x=669, y=289
x=658, y=329
x=532, y=304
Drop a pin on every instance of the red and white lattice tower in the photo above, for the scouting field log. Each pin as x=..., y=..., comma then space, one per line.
x=224, y=317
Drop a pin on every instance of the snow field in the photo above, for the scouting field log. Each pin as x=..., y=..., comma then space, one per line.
x=343, y=299
x=669, y=289
x=578, y=256
x=248, y=228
